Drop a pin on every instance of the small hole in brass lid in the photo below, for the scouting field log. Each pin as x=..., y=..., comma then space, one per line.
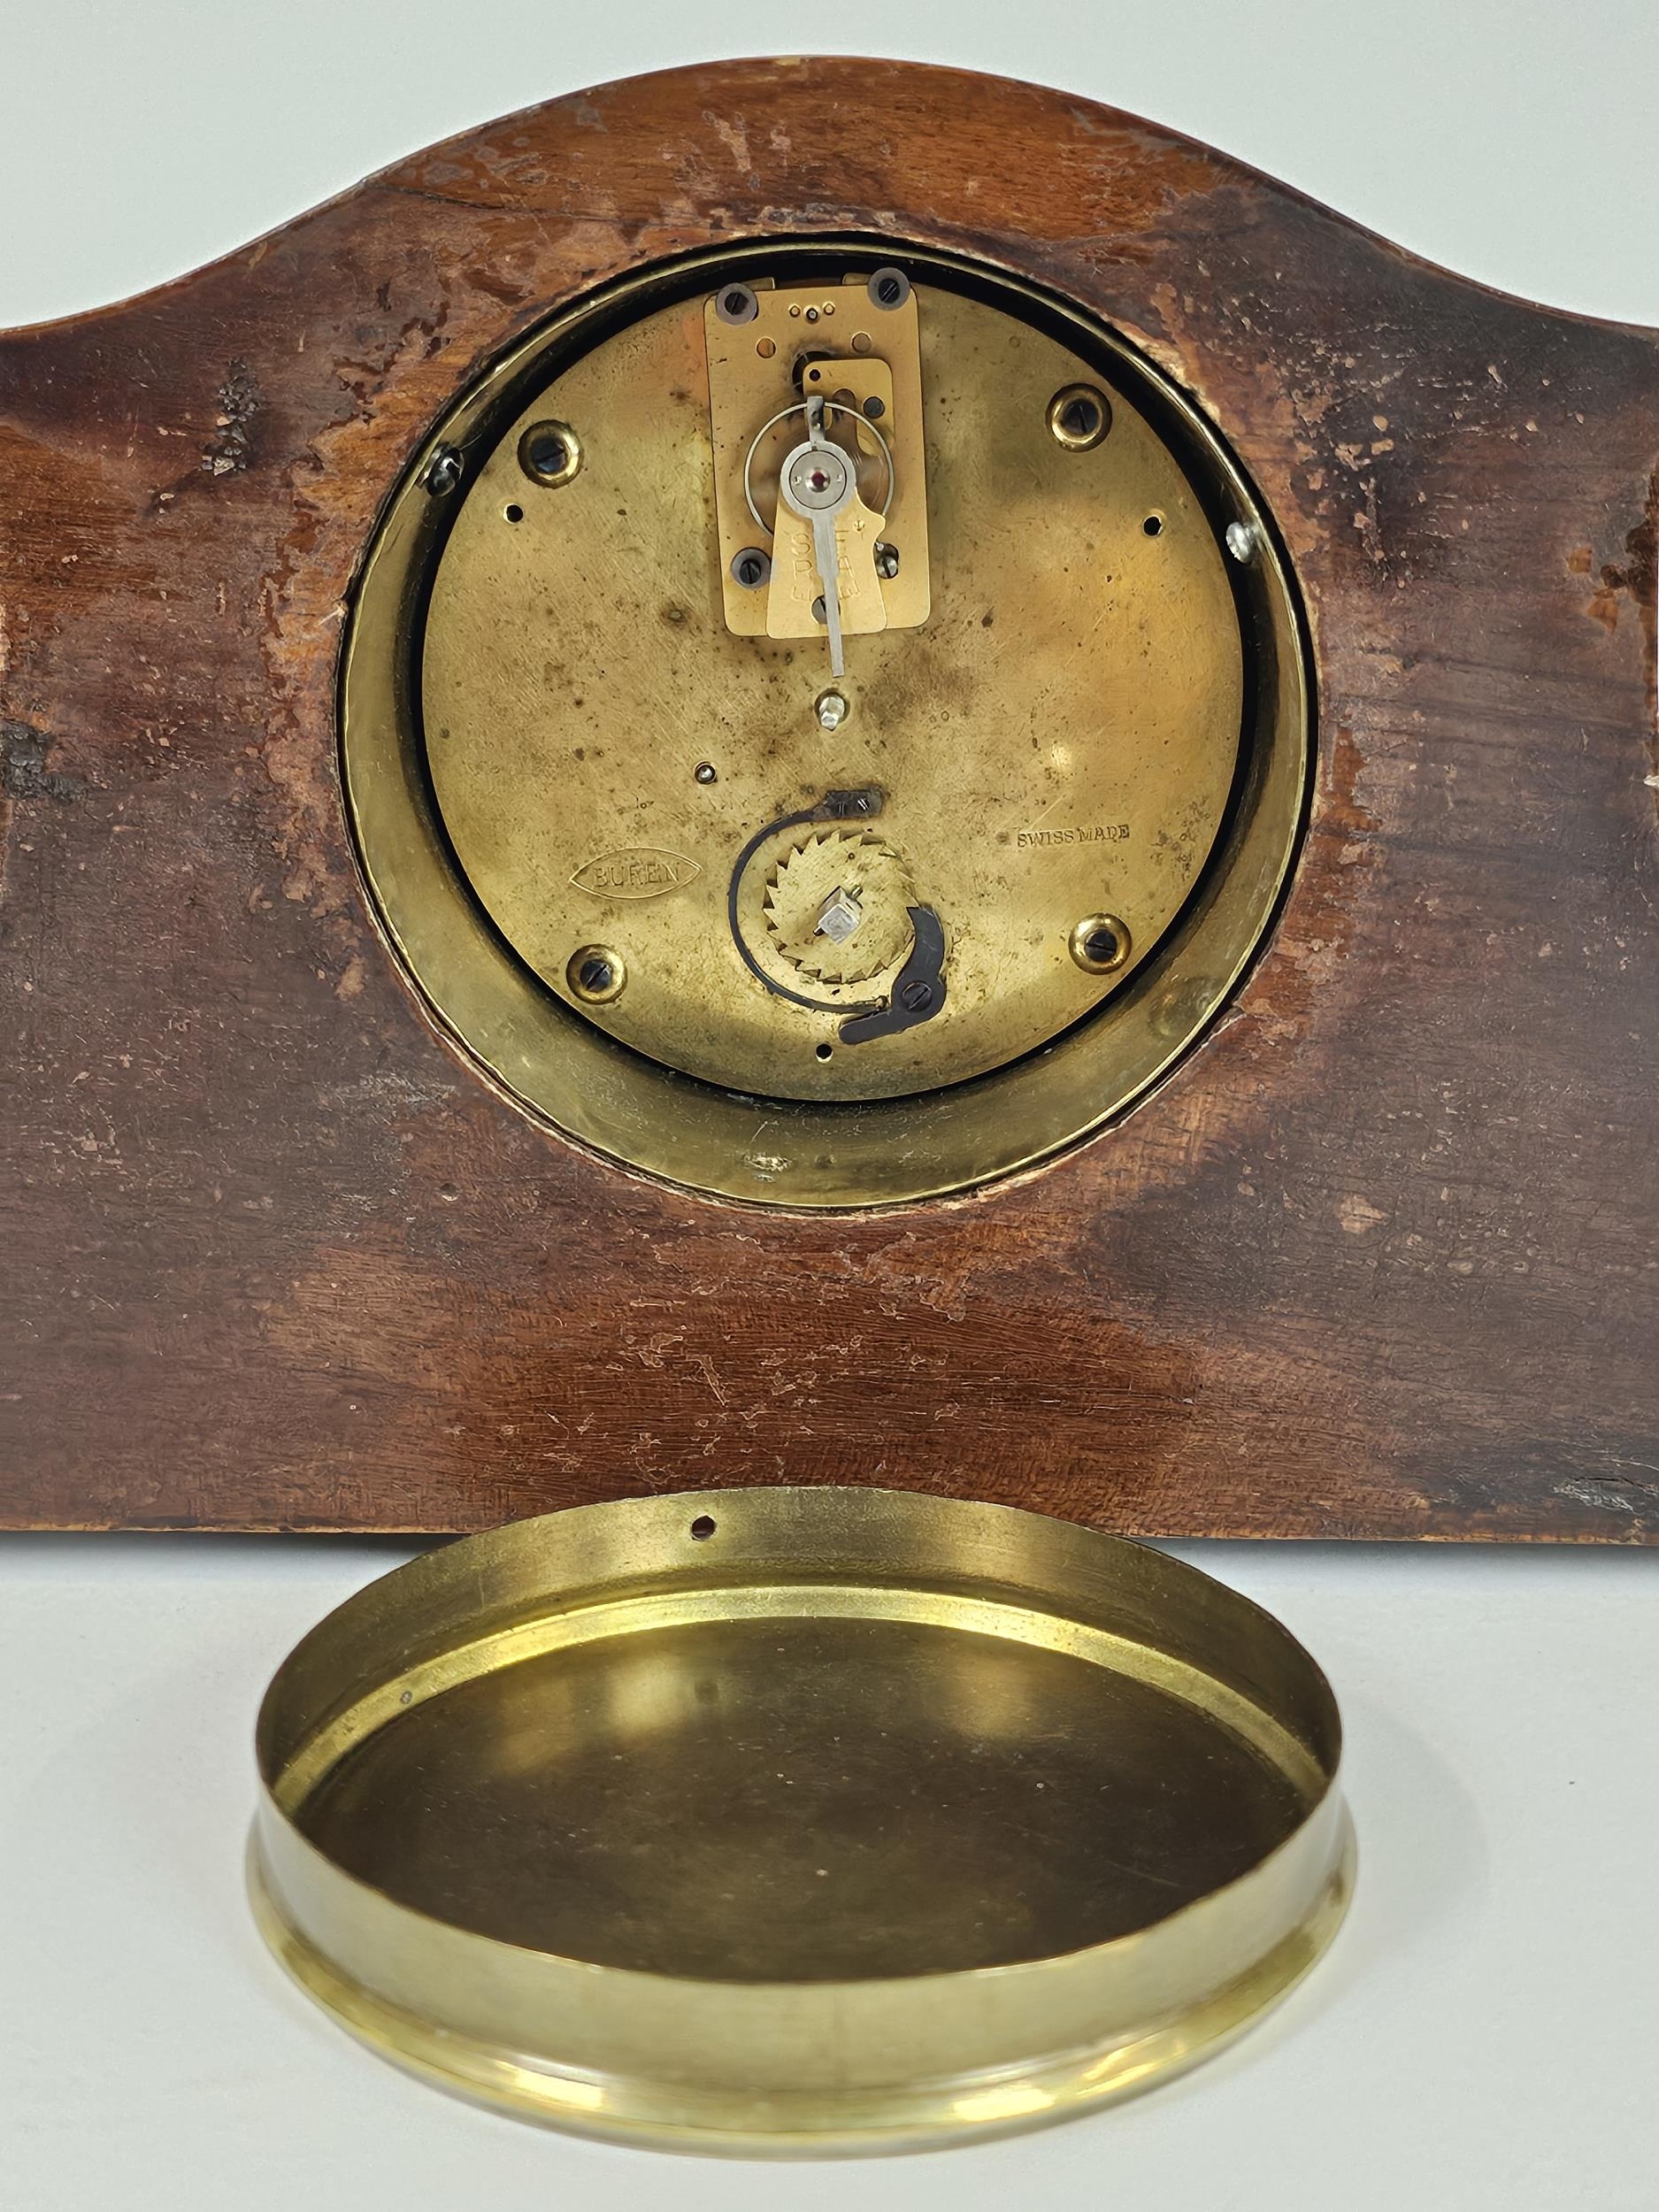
x=702, y=1528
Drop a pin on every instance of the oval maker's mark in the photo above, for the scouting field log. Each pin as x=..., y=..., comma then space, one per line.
x=635, y=871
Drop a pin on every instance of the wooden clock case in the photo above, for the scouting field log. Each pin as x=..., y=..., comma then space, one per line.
x=1379, y=1258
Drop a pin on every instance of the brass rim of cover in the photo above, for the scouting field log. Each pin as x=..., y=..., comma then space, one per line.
x=798, y=1820
x=639, y=1113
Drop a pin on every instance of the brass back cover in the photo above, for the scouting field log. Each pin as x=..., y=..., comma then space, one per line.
x=798, y=1819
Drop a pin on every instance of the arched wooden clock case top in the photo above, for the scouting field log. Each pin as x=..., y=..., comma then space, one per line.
x=1379, y=1257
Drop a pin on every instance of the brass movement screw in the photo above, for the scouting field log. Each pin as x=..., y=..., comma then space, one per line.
x=596, y=975
x=1100, y=944
x=1078, y=416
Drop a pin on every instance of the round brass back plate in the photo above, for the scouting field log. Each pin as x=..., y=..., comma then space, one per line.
x=798, y=1819
x=1060, y=734
x=660, y=876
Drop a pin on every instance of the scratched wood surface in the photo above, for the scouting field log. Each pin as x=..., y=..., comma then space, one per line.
x=1380, y=1260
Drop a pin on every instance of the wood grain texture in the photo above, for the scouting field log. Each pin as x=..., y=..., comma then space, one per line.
x=1380, y=1260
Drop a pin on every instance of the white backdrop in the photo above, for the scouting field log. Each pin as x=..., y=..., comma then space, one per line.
x=1516, y=139
x=1485, y=2033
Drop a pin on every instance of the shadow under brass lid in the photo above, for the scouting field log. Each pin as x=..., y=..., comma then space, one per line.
x=798, y=1819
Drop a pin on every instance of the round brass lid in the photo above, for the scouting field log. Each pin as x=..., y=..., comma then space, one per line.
x=844, y=681
x=798, y=1819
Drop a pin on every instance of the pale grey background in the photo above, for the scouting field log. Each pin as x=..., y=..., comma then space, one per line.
x=1485, y=2035
x=1512, y=139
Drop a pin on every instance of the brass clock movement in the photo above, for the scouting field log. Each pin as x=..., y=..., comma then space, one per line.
x=833, y=681
x=684, y=806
